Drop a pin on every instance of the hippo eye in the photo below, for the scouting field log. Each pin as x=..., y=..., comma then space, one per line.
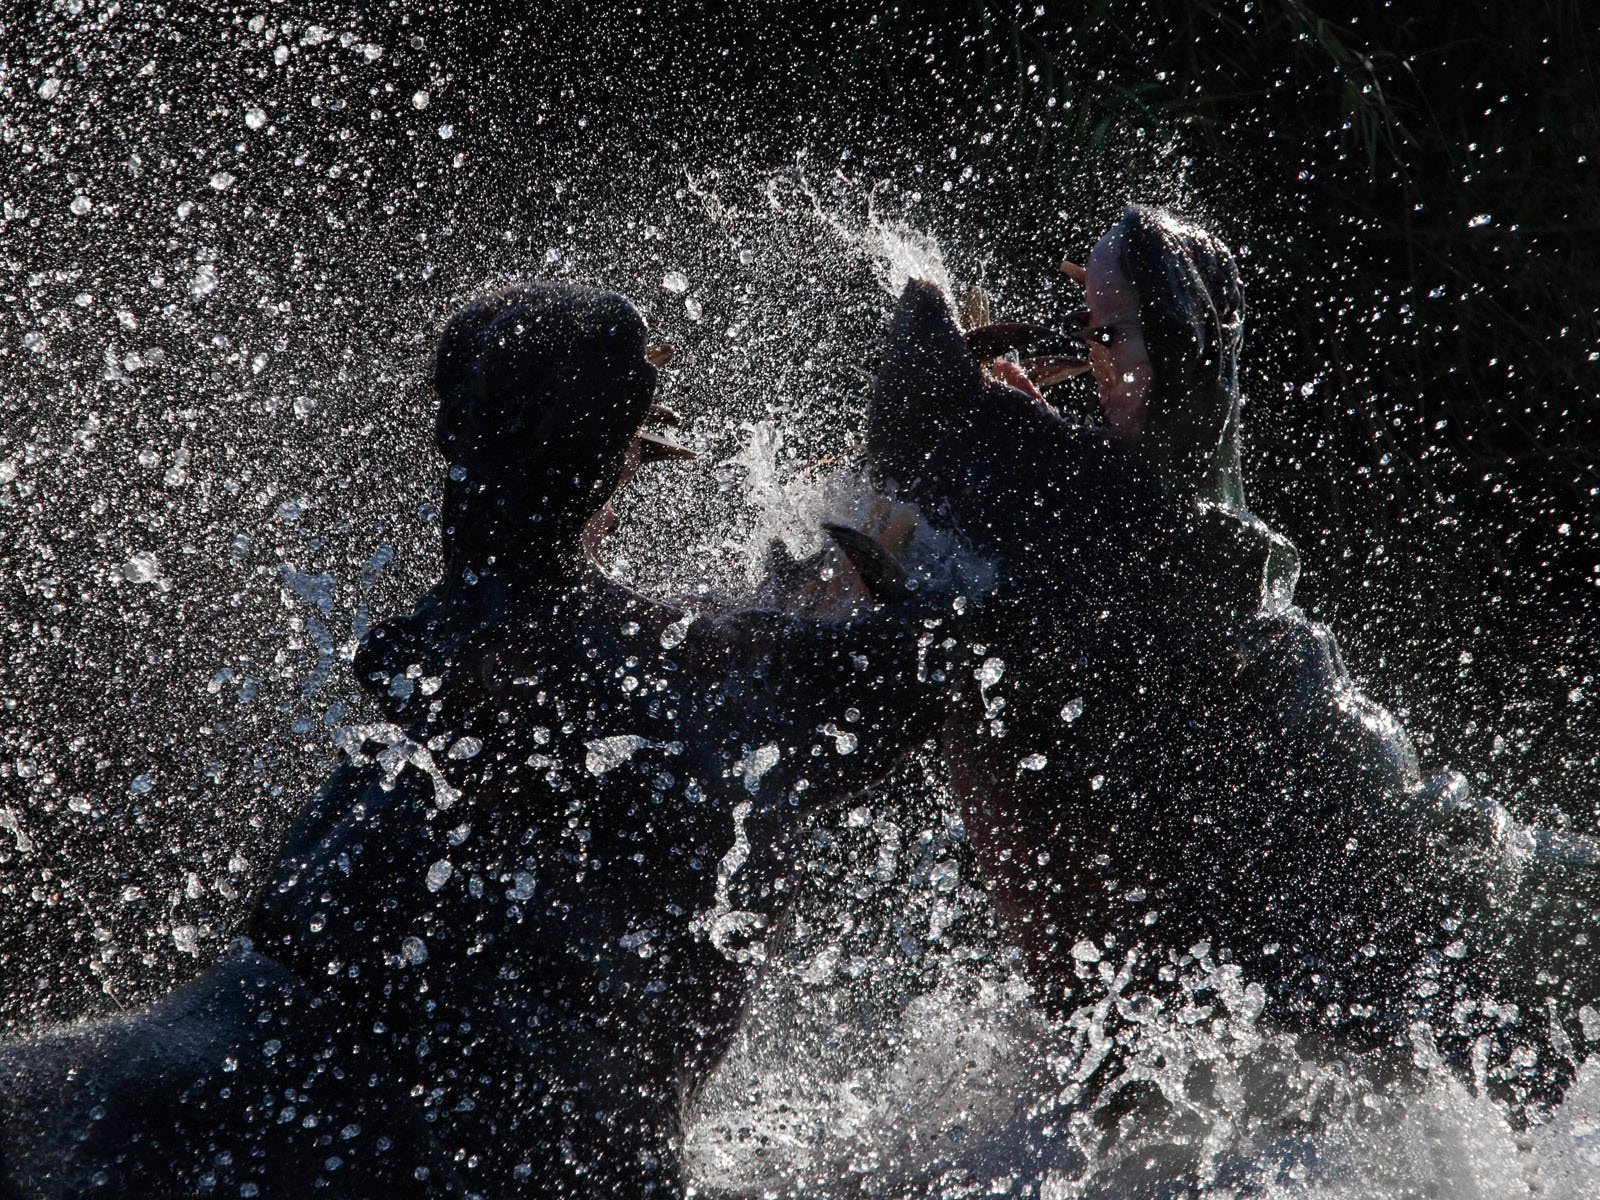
x=1105, y=335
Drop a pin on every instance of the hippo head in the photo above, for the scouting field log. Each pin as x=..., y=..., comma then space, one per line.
x=931, y=402
x=1070, y=515
x=1191, y=310
x=542, y=394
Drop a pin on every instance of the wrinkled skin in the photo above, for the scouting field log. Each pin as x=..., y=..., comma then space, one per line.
x=1210, y=772
x=508, y=935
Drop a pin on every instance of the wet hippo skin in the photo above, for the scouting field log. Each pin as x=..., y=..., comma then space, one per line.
x=243, y=1079
x=1178, y=757
x=554, y=929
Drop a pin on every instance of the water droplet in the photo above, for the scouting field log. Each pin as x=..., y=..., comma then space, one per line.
x=81, y=205
x=1072, y=710
x=1034, y=762
x=413, y=950
x=522, y=886
x=141, y=568
x=421, y=100
x=844, y=742
x=608, y=753
x=221, y=181
x=1589, y=1021
x=675, y=282
x=674, y=634
x=446, y=132
x=255, y=118
x=467, y=747
x=694, y=308
x=204, y=281
x=10, y=823
x=439, y=875
x=50, y=88
x=757, y=763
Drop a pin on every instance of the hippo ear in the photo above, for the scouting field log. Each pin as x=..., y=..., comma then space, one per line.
x=928, y=386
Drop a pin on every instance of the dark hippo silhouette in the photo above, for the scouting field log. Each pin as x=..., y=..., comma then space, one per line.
x=1163, y=750
x=516, y=925
x=244, y=1082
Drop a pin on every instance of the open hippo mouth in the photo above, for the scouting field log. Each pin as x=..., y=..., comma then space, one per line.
x=1055, y=358
x=945, y=379
x=651, y=443
x=657, y=445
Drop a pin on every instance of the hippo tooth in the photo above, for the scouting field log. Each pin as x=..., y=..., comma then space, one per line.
x=975, y=310
x=654, y=447
x=1050, y=369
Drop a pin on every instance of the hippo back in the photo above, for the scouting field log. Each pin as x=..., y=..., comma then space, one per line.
x=240, y=1082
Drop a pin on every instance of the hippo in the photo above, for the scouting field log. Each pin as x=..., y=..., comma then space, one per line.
x=517, y=926
x=556, y=919
x=1164, y=756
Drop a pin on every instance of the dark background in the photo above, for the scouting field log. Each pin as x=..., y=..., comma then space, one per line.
x=1413, y=190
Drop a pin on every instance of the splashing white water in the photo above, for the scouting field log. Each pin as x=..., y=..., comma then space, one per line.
x=898, y=251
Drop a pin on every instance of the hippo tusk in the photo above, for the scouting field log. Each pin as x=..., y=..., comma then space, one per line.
x=1010, y=374
x=662, y=415
x=1051, y=369
x=658, y=354
x=655, y=447
x=884, y=577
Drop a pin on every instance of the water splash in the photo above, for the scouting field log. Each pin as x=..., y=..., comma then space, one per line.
x=211, y=382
